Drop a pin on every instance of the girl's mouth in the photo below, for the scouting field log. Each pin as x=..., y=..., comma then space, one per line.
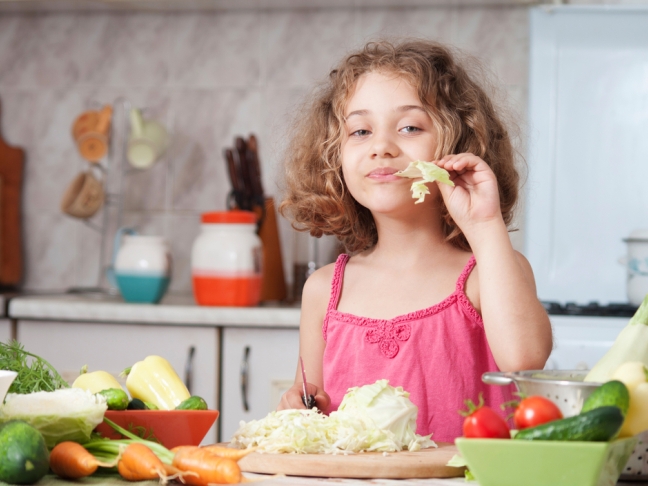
x=384, y=174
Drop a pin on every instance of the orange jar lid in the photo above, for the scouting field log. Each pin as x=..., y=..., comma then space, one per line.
x=229, y=217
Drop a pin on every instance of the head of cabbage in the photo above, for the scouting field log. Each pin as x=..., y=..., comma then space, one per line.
x=65, y=414
x=383, y=407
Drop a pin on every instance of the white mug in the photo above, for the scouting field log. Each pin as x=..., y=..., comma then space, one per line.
x=148, y=140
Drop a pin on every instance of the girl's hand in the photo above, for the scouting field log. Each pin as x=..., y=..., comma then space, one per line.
x=293, y=397
x=475, y=196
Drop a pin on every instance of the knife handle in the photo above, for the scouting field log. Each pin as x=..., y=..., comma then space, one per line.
x=245, y=370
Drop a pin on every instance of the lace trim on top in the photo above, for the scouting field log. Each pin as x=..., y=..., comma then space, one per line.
x=388, y=331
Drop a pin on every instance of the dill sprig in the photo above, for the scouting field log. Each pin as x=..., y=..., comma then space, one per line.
x=34, y=373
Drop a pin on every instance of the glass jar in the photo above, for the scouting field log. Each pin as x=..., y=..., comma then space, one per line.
x=226, y=260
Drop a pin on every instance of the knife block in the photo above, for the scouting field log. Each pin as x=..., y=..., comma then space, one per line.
x=273, y=283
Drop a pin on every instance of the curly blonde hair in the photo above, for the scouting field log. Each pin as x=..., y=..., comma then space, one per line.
x=464, y=118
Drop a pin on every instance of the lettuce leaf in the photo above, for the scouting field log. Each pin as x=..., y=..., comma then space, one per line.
x=429, y=172
x=65, y=414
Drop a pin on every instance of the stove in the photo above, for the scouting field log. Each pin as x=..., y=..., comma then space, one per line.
x=583, y=333
x=590, y=309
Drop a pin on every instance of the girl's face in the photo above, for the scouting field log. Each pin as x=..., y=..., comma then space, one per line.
x=386, y=127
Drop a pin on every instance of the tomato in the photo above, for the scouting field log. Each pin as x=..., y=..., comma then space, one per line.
x=484, y=423
x=535, y=410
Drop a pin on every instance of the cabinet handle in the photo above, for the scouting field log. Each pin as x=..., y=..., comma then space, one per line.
x=189, y=368
x=245, y=369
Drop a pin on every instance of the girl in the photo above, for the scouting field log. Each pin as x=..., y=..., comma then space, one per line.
x=430, y=295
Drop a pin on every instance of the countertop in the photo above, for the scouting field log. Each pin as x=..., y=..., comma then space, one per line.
x=173, y=310
x=291, y=481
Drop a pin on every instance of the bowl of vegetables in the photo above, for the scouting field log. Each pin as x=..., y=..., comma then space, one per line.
x=170, y=428
x=497, y=462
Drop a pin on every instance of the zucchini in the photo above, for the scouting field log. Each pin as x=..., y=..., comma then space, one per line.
x=598, y=425
x=194, y=402
x=24, y=458
x=613, y=393
x=116, y=398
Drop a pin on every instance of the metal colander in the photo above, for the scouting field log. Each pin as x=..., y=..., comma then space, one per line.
x=565, y=388
x=568, y=391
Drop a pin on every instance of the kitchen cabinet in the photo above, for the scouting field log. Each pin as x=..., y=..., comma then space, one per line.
x=5, y=330
x=112, y=347
x=258, y=366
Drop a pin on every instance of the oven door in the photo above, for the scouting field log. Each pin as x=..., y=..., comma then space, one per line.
x=581, y=341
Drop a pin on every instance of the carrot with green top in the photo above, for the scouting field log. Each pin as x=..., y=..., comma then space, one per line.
x=70, y=460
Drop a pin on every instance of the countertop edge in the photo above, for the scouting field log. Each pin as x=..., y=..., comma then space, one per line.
x=66, y=308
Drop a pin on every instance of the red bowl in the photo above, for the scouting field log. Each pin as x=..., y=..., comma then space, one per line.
x=170, y=428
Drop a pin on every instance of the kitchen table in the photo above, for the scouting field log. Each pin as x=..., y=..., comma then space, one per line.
x=288, y=481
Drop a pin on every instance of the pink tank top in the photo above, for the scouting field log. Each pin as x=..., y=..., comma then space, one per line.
x=437, y=354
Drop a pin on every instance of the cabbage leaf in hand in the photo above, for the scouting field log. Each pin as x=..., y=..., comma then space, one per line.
x=429, y=172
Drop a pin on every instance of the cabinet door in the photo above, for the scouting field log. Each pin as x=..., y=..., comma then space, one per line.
x=258, y=367
x=5, y=330
x=113, y=347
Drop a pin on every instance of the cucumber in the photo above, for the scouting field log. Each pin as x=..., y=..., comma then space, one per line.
x=598, y=425
x=194, y=402
x=151, y=406
x=136, y=404
x=613, y=393
x=116, y=398
x=24, y=458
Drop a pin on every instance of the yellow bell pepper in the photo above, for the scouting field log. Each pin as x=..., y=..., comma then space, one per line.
x=96, y=381
x=634, y=375
x=155, y=381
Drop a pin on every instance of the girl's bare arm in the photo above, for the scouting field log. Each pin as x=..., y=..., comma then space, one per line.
x=315, y=298
x=517, y=326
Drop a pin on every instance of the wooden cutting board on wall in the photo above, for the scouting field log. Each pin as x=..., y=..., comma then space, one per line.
x=11, y=175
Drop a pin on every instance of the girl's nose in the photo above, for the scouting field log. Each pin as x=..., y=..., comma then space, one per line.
x=383, y=145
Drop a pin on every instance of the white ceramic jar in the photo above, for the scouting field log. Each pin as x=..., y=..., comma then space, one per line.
x=142, y=268
x=636, y=263
x=226, y=260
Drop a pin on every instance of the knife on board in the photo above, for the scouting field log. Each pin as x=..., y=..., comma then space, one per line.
x=307, y=400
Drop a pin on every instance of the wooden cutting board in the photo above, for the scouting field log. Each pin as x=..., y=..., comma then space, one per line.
x=11, y=174
x=426, y=463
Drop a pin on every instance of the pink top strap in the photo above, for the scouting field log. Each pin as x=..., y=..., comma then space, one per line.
x=461, y=281
x=336, y=288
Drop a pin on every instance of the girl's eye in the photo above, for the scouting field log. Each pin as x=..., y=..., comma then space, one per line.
x=360, y=133
x=410, y=129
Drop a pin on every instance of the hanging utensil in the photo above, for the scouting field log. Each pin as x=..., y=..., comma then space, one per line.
x=307, y=400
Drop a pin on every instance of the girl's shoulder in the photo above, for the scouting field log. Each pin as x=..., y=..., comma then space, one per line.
x=317, y=289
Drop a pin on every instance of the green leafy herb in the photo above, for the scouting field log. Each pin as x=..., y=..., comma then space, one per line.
x=34, y=373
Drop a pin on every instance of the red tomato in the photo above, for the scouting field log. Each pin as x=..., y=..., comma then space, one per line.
x=485, y=423
x=534, y=411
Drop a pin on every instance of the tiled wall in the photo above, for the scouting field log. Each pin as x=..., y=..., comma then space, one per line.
x=209, y=76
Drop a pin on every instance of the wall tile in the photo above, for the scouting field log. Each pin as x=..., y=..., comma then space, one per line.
x=497, y=36
x=50, y=251
x=125, y=50
x=215, y=50
x=206, y=122
x=429, y=23
x=301, y=47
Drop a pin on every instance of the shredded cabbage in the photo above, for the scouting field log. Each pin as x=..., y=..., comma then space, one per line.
x=374, y=417
x=65, y=414
x=429, y=172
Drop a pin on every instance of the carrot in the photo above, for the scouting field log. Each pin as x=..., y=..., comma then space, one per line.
x=210, y=468
x=139, y=463
x=229, y=452
x=70, y=460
